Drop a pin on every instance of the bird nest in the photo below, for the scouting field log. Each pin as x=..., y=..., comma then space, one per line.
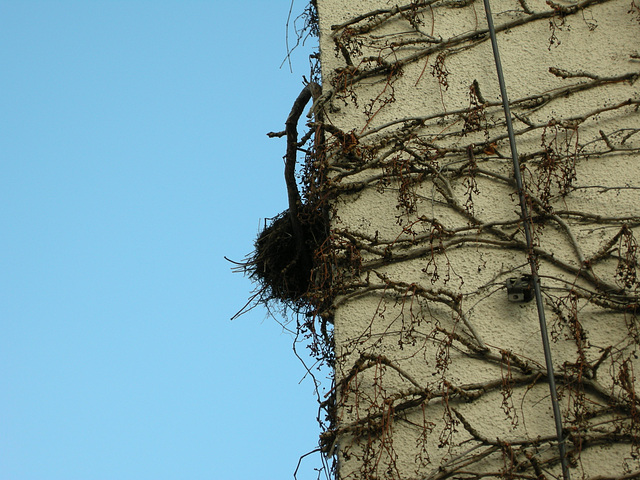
x=283, y=271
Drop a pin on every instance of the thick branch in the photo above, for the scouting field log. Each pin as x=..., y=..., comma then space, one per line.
x=291, y=129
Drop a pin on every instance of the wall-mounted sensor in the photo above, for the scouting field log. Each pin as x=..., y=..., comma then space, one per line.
x=520, y=289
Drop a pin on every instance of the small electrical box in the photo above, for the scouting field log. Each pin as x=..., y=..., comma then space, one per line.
x=520, y=289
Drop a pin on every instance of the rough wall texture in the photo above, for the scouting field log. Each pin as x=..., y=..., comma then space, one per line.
x=439, y=374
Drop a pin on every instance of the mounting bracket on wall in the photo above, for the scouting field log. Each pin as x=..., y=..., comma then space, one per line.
x=520, y=289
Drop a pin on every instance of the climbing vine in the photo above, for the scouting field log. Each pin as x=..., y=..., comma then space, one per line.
x=408, y=304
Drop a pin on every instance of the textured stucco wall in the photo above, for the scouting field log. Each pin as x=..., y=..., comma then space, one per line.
x=438, y=374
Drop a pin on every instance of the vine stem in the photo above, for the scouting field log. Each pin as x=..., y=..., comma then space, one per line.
x=291, y=128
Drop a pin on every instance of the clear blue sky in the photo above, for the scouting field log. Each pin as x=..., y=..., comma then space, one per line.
x=133, y=157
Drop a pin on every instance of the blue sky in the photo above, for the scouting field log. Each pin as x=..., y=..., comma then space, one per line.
x=133, y=157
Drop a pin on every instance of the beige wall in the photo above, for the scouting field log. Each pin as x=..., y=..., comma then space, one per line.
x=438, y=374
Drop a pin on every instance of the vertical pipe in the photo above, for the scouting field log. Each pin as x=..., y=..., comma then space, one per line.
x=530, y=254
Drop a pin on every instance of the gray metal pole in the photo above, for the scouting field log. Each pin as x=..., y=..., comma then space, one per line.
x=527, y=232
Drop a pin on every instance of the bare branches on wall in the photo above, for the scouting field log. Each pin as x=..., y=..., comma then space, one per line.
x=437, y=373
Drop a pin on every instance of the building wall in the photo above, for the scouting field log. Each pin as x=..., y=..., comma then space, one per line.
x=439, y=374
